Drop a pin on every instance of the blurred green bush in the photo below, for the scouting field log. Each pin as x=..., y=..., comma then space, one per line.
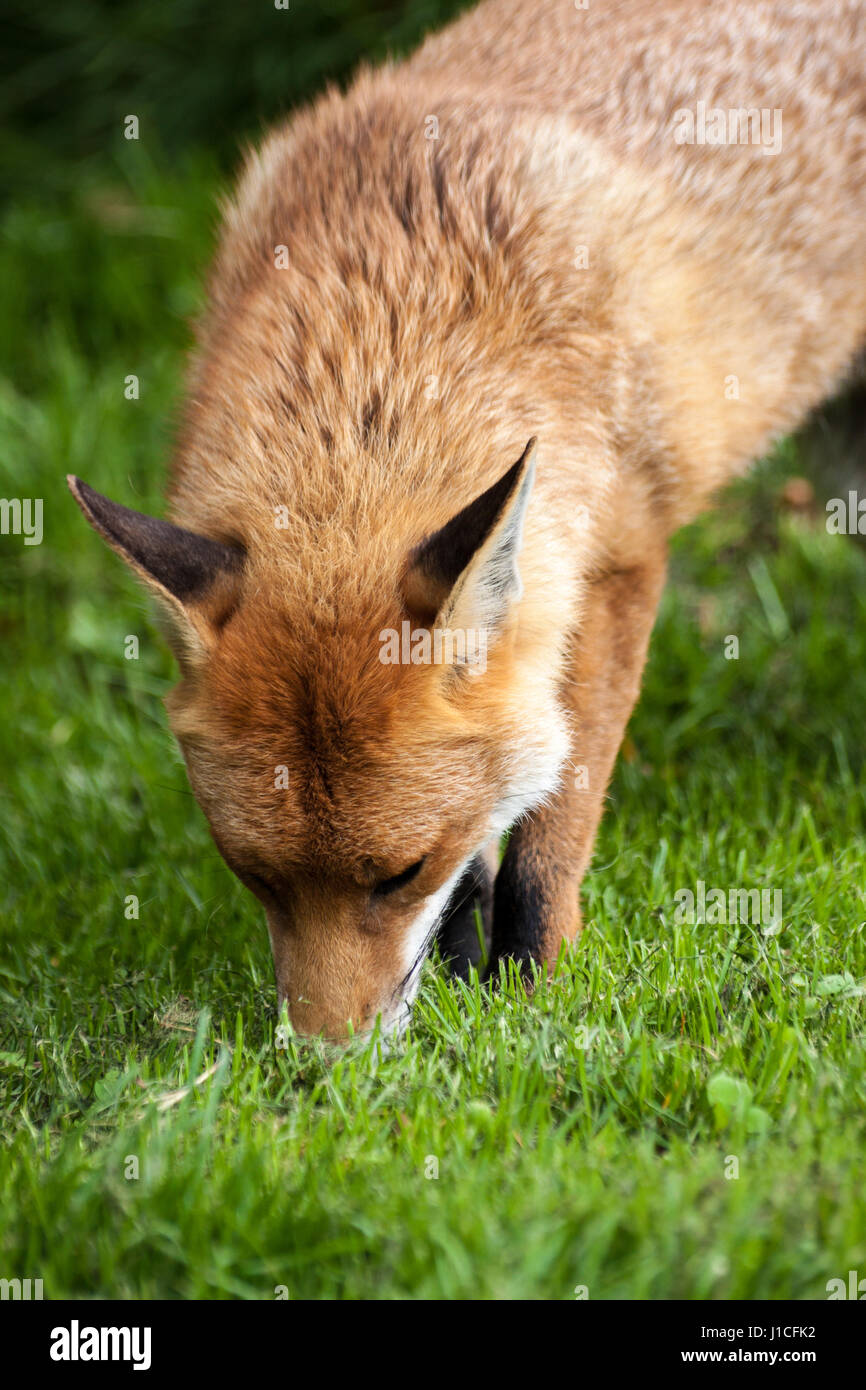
x=196, y=72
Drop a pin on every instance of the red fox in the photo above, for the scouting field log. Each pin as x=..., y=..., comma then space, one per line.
x=634, y=232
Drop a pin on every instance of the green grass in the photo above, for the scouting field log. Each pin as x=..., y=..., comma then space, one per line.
x=582, y=1138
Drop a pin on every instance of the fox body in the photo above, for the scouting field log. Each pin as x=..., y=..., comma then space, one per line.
x=517, y=234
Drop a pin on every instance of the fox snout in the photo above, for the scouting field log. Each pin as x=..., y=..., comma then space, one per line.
x=327, y=988
x=338, y=974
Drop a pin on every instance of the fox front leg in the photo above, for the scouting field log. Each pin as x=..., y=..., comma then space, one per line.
x=537, y=893
x=458, y=937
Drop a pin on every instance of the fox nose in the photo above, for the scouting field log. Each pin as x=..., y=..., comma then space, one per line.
x=310, y=1018
x=333, y=977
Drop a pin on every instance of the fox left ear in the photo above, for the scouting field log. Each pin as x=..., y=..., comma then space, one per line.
x=196, y=580
x=465, y=575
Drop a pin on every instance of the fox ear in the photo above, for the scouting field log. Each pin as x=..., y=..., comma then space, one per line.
x=196, y=580
x=465, y=575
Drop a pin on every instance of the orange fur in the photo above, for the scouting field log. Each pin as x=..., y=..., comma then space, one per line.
x=430, y=318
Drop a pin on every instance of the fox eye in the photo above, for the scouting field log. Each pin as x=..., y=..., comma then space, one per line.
x=390, y=885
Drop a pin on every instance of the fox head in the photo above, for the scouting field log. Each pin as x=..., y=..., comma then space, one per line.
x=355, y=749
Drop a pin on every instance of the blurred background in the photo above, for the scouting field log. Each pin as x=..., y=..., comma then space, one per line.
x=198, y=73
x=203, y=79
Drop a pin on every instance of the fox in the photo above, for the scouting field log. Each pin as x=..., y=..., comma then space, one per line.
x=482, y=332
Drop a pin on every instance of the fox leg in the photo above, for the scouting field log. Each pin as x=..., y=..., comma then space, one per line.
x=458, y=934
x=537, y=898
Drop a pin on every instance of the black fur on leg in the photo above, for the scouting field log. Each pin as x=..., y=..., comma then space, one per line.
x=458, y=934
x=519, y=914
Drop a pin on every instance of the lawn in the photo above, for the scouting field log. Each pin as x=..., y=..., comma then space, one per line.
x=679, y=1114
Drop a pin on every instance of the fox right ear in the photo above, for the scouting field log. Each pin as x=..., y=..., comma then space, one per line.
x=466, y=574
x=197, y=580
